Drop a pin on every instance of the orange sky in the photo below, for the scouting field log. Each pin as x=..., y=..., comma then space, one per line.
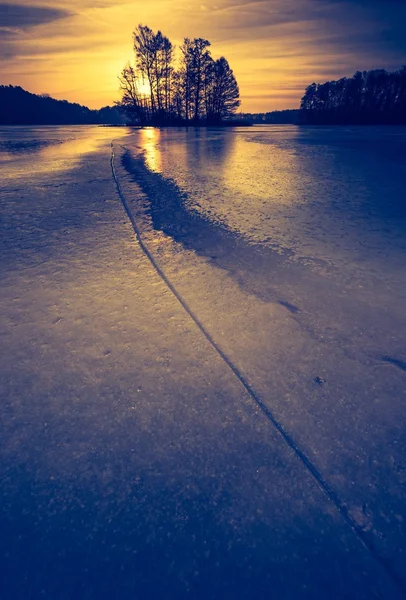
x=74, y=49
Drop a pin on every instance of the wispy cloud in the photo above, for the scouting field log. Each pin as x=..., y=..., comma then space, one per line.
x=23, y=16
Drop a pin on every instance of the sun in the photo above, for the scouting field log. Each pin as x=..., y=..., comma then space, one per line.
x=143, y=88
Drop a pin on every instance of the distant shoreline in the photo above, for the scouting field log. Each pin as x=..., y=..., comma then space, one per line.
x=229, y=125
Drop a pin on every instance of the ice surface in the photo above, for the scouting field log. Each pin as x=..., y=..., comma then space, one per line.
x=134, y=464
x=289, y=244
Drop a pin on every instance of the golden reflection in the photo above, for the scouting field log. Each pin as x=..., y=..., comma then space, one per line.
x=150, y=138
x=261, y=172
x=67, y=148
x=72, y=148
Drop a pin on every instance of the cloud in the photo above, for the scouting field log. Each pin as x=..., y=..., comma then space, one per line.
x=17, y=20
x=20, y=17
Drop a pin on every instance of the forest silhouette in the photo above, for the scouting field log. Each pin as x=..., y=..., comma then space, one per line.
x=374, y=97
x=19, y=107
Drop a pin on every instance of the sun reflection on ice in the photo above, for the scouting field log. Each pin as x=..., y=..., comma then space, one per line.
x=150, y=138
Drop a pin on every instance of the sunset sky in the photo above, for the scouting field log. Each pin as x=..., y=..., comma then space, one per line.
x=74, y=49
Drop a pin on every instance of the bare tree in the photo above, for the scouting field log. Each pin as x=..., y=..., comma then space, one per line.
x=195, y=60
x=222, y=92
x=145, y=54
x=186, y=77
x=162, y=71
x=132, y=102
x=200, y=60
x=177, y=96
x=154, y=53
x=167, y=72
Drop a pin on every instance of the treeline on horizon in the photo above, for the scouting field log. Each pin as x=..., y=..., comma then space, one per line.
x=376, y=97
x=194, y=89
x=368, y=98
x=19, y=107
x=288, y=116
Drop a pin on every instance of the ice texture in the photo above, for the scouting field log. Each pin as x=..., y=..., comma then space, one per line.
x=289, y=244
x=134, y=462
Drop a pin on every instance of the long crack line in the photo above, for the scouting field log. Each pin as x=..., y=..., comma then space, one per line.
x=300, y=454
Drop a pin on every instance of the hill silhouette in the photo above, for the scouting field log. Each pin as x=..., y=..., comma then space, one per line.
x=19, y=107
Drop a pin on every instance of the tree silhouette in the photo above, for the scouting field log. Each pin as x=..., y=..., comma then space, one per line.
x=131, y=100
x=200, y=63
x=145, y=56
x=185, y=81
x=222, y=93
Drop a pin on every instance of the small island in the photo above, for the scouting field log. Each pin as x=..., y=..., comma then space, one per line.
x=194, y=90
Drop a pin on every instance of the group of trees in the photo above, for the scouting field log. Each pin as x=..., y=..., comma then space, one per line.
x=19, y=107
x=199, y=89
x=369, y=97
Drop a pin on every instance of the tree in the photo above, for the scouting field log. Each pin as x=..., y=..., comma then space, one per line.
x=167, y=72
x=185, y=83
x=145, y=55
x=222, y=92
x=178, y=96
x=162, y=72
x=200, y=60
x=131, y=102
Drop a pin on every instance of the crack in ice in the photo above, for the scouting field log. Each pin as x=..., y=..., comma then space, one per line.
x=300, y=454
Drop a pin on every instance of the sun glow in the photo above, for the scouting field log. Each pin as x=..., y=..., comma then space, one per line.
x=76, y=49
x=143, y=88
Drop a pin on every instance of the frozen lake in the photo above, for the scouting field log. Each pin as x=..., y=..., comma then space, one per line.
x=288, y=247
x=325, y=196
x=312, y=219
x=331, y=199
